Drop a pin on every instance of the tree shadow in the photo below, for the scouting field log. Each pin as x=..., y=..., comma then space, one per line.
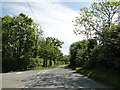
x=69, y=80
x=65, y=67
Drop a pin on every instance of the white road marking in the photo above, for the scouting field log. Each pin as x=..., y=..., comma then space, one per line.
x=8, y=73
x=19, y=72
x=1, y=81
x=45, y=71
x=39, y=72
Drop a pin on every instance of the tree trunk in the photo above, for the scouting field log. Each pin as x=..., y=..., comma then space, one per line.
x=50, y=63
x=54, y=62
x=44, y=63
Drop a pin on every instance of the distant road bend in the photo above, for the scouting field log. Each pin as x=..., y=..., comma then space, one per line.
x=60, y=77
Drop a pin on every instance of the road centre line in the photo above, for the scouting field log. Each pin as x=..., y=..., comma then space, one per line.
x=19, y=72
x=42, y=72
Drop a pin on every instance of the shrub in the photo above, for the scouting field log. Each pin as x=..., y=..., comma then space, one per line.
x=35, y=62
x=12, y=64
x=9, y=64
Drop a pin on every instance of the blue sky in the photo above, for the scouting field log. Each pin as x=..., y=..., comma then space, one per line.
x=54, y=16
x=76, y=5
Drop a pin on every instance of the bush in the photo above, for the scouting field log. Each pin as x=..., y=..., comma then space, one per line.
x=99, y=56
x=101, y=74
x=9, y=64
x=12, y=64
x=103, y=57
x=35, y=62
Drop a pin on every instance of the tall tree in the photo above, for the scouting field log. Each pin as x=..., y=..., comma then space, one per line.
x=50, y=50
x=19, y=37
x=97, y=19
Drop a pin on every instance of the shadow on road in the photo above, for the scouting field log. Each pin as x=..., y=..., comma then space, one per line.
x=64, y=67
x=63, y=77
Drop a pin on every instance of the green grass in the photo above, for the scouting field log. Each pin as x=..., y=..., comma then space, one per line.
x=39, y=68
x=42, y=68
x=102, y=75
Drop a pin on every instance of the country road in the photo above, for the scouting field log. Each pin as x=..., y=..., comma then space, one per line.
x=60, y=77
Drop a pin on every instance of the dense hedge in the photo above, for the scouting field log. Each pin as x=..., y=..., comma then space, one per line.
x=24, y=46
x=88, y=54
x=12, y=64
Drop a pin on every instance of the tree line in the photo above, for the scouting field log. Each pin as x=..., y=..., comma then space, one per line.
x=24, y=46
x=101, y=48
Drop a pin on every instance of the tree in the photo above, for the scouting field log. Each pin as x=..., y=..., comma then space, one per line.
x=19, y=38
x=49, y=50
x=23, y=44
x=80, y=52
x=19, y=33
x=65, y=59
x=113, y=47
x=55, y=52
x=77, y=51
x=97, y=20
x=100, y=22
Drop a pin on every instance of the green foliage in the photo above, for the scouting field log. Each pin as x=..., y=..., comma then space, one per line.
x=24, y=47
x=97, y=19
x=98, y=55
x=49, y=51
x=90, y=55
x=81, y=51
x=98, y=61
x=35, y=62
x=101, y=74
x=19, y=34
x=9, y=64
x=65, y=59
x=108, y=55
x=18, y=42
x=42, y=68
x=102, y=61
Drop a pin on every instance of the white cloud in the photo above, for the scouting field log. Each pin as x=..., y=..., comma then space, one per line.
x=50, y=0
x=55, y=19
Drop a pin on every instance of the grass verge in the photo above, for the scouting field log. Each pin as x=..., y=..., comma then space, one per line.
x=42, y=68
x=100, y=74
x=38, y=68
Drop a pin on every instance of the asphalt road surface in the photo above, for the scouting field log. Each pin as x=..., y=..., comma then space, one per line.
x=60, y=77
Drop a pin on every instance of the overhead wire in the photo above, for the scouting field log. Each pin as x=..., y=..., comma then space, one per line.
x=33, y=14
x=32, y=11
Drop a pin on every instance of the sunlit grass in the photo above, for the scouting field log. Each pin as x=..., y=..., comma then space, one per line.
x=42, y=68
x=101, y=75
x=39, y=68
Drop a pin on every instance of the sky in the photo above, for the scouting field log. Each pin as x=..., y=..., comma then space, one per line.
x=54, y=16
